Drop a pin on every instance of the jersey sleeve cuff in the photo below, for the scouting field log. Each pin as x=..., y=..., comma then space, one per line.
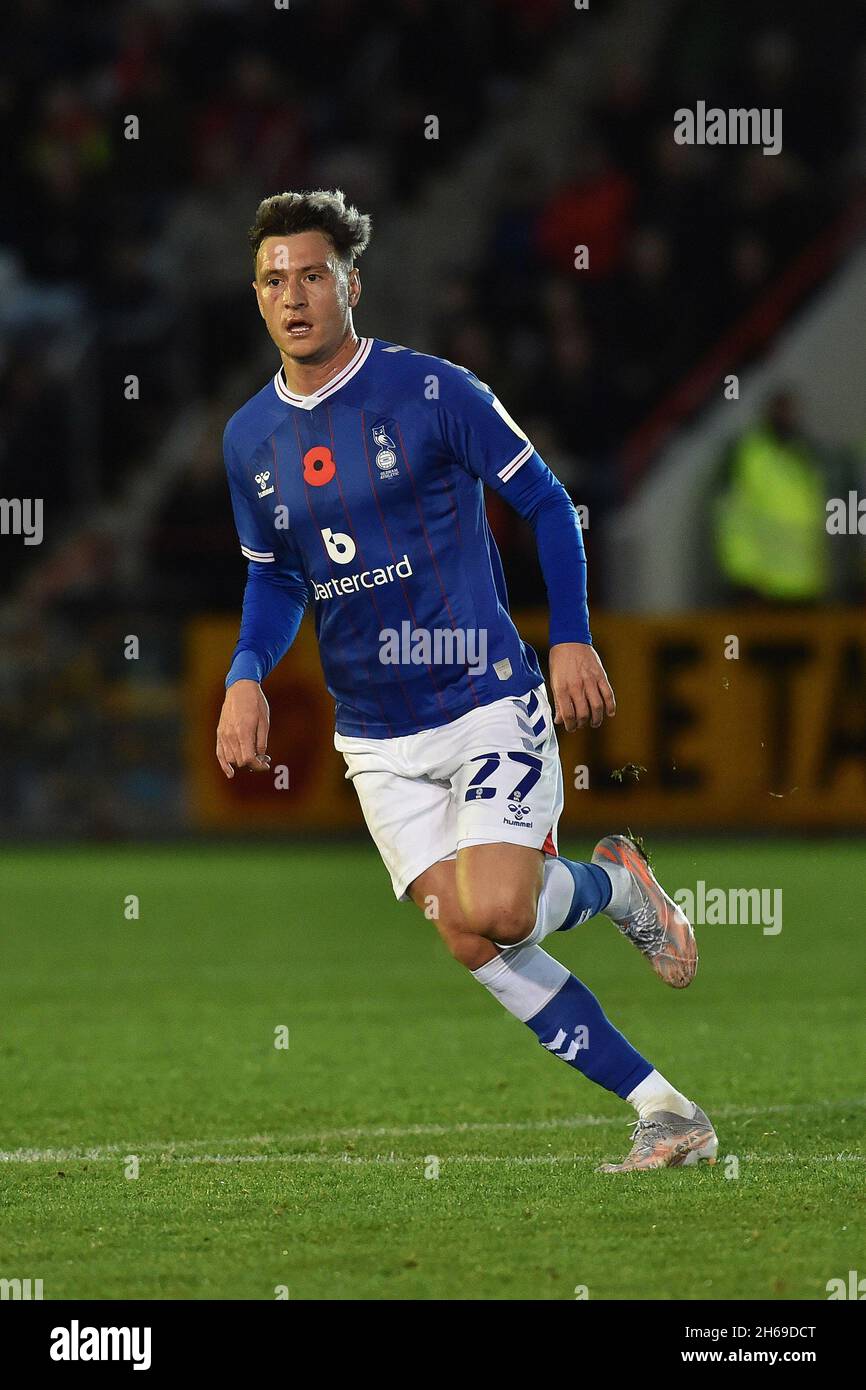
x=570, y=633
x=245, y=667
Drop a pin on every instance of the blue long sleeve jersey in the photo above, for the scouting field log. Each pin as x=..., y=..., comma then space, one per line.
x=367, y=496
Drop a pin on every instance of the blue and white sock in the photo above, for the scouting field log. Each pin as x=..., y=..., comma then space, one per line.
x=565, y=1016
x=656, y=1093
x=572, y=892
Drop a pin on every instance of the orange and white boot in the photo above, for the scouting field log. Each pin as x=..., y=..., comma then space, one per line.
x=652, y=921
x=665, y=1140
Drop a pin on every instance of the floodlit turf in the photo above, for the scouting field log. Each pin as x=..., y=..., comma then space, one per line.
x=263, y=1167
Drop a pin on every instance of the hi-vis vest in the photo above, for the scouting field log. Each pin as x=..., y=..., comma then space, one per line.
x=770, y=523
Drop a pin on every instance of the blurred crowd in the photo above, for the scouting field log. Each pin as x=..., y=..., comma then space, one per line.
x=684, y=239
x=142, y=137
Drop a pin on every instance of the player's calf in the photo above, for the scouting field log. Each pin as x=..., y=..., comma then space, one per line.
x=466, y=947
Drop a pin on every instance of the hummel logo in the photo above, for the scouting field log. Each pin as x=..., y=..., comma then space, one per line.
x=579, y=1042
x=262, y=479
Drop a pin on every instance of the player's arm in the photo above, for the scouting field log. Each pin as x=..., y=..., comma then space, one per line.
x=486, y=441
x=275, y=597
x=581, y=690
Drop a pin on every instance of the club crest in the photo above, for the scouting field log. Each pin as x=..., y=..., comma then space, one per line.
x=386, y=458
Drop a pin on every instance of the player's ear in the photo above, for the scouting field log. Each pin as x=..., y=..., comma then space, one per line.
x=354, y=286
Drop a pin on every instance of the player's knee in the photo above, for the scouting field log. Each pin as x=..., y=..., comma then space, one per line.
x=506, y=921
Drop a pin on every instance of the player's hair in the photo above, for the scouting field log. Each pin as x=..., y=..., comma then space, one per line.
x=284, y=214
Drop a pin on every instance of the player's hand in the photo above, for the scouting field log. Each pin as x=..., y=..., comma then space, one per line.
x=582, y=693
x=242, y=733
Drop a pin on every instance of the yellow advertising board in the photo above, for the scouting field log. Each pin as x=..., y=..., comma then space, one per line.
x=745, y=720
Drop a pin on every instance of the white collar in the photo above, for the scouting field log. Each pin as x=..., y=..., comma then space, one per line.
x=308, y=402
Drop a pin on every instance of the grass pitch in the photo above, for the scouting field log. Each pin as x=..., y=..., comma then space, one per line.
x=312, y=1168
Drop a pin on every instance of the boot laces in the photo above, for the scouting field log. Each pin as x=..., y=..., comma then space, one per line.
x=643, y=1138
x=644, y=929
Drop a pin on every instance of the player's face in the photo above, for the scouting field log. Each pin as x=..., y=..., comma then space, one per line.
x=305, y=295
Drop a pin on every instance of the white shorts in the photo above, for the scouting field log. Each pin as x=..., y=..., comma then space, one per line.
x=492, y=775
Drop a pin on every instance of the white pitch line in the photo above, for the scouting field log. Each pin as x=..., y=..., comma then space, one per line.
x=350, y=1160
x=416, y=1160
x=168, y=1148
